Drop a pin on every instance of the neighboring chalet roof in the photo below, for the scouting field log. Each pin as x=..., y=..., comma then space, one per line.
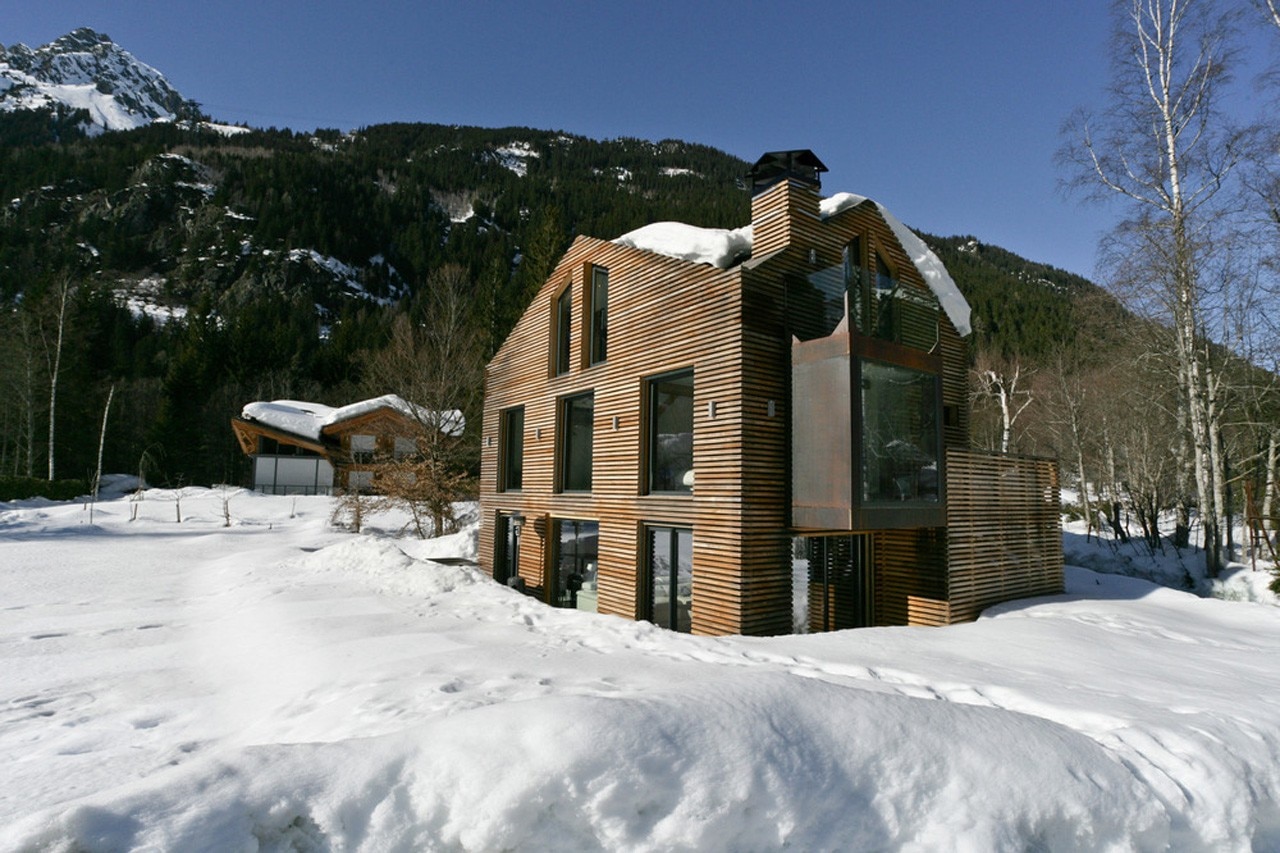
x=309, y=420
x=723, y=248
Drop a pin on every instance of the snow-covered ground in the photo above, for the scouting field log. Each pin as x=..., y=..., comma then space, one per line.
x=277, y=684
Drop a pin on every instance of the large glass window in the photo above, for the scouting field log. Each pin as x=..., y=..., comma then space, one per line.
x=671, y=433
x=563, y=326
x=511, y=465
x=578, y=431
x=669, y=562
x=899, y=434
x=599, y=314
x=577, y=555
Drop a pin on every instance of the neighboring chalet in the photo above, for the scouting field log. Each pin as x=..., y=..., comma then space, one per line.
x=698, y=427
x=310, y=449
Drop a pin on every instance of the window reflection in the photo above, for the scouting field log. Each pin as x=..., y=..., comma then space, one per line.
x=899, y=434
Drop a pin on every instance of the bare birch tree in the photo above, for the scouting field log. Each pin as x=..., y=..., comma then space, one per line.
x=53, y=355
x=1165, y=148
x=1006, y=384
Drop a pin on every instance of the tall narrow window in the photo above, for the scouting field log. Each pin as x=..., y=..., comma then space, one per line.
x=577, y=555
x=577, y=429
x=669, y=563
x=506, y=558
x=853, y=282
x=671, y=433
x=511, y=465
x=563, y=324
x=599, y=314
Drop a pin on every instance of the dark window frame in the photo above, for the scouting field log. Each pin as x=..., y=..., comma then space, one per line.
x=562, y=330
x=563, y=590
x=650, y=456
x=511, y=445
x=671, y=620
x=565, y=479
x=597, y=315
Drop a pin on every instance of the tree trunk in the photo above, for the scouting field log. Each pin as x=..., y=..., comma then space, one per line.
x=53, y=372
x=1269, y=493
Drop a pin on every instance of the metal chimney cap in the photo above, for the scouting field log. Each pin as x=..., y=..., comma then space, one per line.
x=774, y=166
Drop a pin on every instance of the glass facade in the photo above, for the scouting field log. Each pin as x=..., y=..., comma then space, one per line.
x=900, y=434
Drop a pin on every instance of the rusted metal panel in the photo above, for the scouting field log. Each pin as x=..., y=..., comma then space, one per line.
x=822, y=478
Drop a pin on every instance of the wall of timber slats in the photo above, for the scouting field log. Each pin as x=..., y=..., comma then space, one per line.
x=664, y=315
x=910, y=582
x=729, y=326
x=1004, y=540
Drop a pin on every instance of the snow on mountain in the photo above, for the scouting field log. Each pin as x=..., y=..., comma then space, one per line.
x=515, y=156
x=85, y=70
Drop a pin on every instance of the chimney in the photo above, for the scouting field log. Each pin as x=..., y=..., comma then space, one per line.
x=784, y=198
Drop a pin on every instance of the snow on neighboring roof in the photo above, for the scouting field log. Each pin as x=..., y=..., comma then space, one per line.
x=931, y=269
x=308, y=420
x=719, y=247
x=723, y=248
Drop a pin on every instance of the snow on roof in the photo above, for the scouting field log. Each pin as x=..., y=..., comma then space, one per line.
x=930, y=267
x=309, y=419
x=723, y=248
x=719, y=247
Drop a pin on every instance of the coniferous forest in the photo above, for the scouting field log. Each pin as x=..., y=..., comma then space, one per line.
x=192, y=268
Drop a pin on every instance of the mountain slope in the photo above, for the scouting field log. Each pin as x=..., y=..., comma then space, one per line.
x=85, y=72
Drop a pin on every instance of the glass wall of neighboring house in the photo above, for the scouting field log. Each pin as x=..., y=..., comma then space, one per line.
x=280, y=468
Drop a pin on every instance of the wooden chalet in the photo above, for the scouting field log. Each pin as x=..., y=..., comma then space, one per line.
x=301, y=448
x=766, y=435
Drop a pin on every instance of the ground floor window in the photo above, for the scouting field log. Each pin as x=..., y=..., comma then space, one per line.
x=577, y=556
x=669, y=577
x=831, y=582
x=506, y=555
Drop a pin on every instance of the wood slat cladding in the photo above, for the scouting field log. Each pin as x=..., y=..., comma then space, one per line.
x=664, y=315
x=911, y=577
x=729, y=327
x=1004, y=538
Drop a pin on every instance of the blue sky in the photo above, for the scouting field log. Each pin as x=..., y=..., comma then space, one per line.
x=946, y=112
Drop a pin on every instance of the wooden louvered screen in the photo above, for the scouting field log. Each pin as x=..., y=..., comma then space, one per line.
x=1004, y=538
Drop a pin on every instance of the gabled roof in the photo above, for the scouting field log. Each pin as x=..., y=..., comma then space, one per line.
x=926, y=262
x=723, y=248
x=310, y=420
